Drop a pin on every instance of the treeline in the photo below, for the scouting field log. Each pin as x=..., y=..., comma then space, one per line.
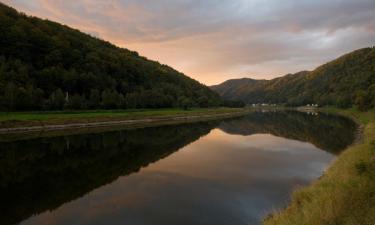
x=30, y=98
x=345, y=82
x=47, y=66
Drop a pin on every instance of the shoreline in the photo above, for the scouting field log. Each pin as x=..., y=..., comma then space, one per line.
x=324, y=201
x=118, y=123
x=349, y=179
x=359, y=133
x=77, y=122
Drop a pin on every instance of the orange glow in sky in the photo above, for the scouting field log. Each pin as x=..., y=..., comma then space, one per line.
x=212, y=41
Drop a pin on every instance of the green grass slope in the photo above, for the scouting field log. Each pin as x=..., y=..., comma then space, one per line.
x=345, y=195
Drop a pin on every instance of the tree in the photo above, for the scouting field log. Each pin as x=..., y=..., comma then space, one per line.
x=56, y=100
x=76, y=102
x=121, y=103
x=234, y=104
x=109, y=99
x=24, y=98
x=344, y=101
x=203, y=101
x=94, y=99
x=37, y=99
x=185, y=103
x=371, y=95
x=131, y=100
x=39, y=57
x=10, y=95
x=362, y=100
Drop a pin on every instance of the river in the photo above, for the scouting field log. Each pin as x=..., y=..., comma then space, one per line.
x=232, y=171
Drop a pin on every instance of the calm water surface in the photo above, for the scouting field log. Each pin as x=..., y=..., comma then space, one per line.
x=232, y=171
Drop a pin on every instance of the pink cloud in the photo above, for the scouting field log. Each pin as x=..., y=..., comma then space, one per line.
x=213, y=41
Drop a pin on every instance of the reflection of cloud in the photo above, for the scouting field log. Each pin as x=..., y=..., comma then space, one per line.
x=215, y=40
x=217, y=175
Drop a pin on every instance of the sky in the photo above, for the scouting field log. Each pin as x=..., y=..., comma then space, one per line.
x=215, y=40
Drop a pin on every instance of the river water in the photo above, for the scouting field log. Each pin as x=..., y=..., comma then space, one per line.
x=232, y=171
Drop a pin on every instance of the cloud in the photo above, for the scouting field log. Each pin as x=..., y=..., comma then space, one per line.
x=214, y=40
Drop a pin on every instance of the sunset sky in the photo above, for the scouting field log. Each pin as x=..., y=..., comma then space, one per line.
x=216, y=40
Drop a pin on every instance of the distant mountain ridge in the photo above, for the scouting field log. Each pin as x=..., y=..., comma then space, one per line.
x=346, y=81
x=45, y=65
x=234, y=86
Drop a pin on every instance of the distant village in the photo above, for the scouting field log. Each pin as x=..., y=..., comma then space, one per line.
x=266, y=104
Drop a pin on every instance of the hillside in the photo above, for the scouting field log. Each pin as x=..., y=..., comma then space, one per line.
x=346, y=81
x=48, y=66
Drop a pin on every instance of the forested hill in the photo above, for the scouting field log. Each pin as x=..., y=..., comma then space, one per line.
x=48, y=66
x=346, y=81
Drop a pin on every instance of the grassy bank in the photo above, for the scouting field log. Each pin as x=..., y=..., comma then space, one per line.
x=345, y=195
x=28, y=119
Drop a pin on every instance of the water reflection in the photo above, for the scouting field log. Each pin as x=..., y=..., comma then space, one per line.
x=222, y=178
x=41, y=174
x=327, y=132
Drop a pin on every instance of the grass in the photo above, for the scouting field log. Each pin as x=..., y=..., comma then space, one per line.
x=17, y=119
x=362, y=117
x=345, y=195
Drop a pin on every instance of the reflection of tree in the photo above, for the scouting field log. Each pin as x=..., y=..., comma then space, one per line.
x=328, y=132
x=41, y=174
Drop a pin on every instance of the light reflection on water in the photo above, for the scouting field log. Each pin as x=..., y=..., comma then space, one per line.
x=220, y=179
x=231, y=172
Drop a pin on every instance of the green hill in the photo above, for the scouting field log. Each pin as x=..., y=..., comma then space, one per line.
x=48, y=66
x=346, y=81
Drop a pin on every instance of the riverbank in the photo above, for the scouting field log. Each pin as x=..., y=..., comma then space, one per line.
x=346, y=192
x=21, y=122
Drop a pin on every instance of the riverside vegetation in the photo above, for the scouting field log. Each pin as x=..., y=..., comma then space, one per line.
x=35, y=119
x=346, y=193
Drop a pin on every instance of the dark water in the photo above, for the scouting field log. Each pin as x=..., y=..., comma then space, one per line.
x=231, y=172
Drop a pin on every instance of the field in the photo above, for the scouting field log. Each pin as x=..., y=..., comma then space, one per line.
x=345, y=194
x=27, y=119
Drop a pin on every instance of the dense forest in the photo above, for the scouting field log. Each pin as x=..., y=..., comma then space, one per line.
x=48, y=66
x=344, y=82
